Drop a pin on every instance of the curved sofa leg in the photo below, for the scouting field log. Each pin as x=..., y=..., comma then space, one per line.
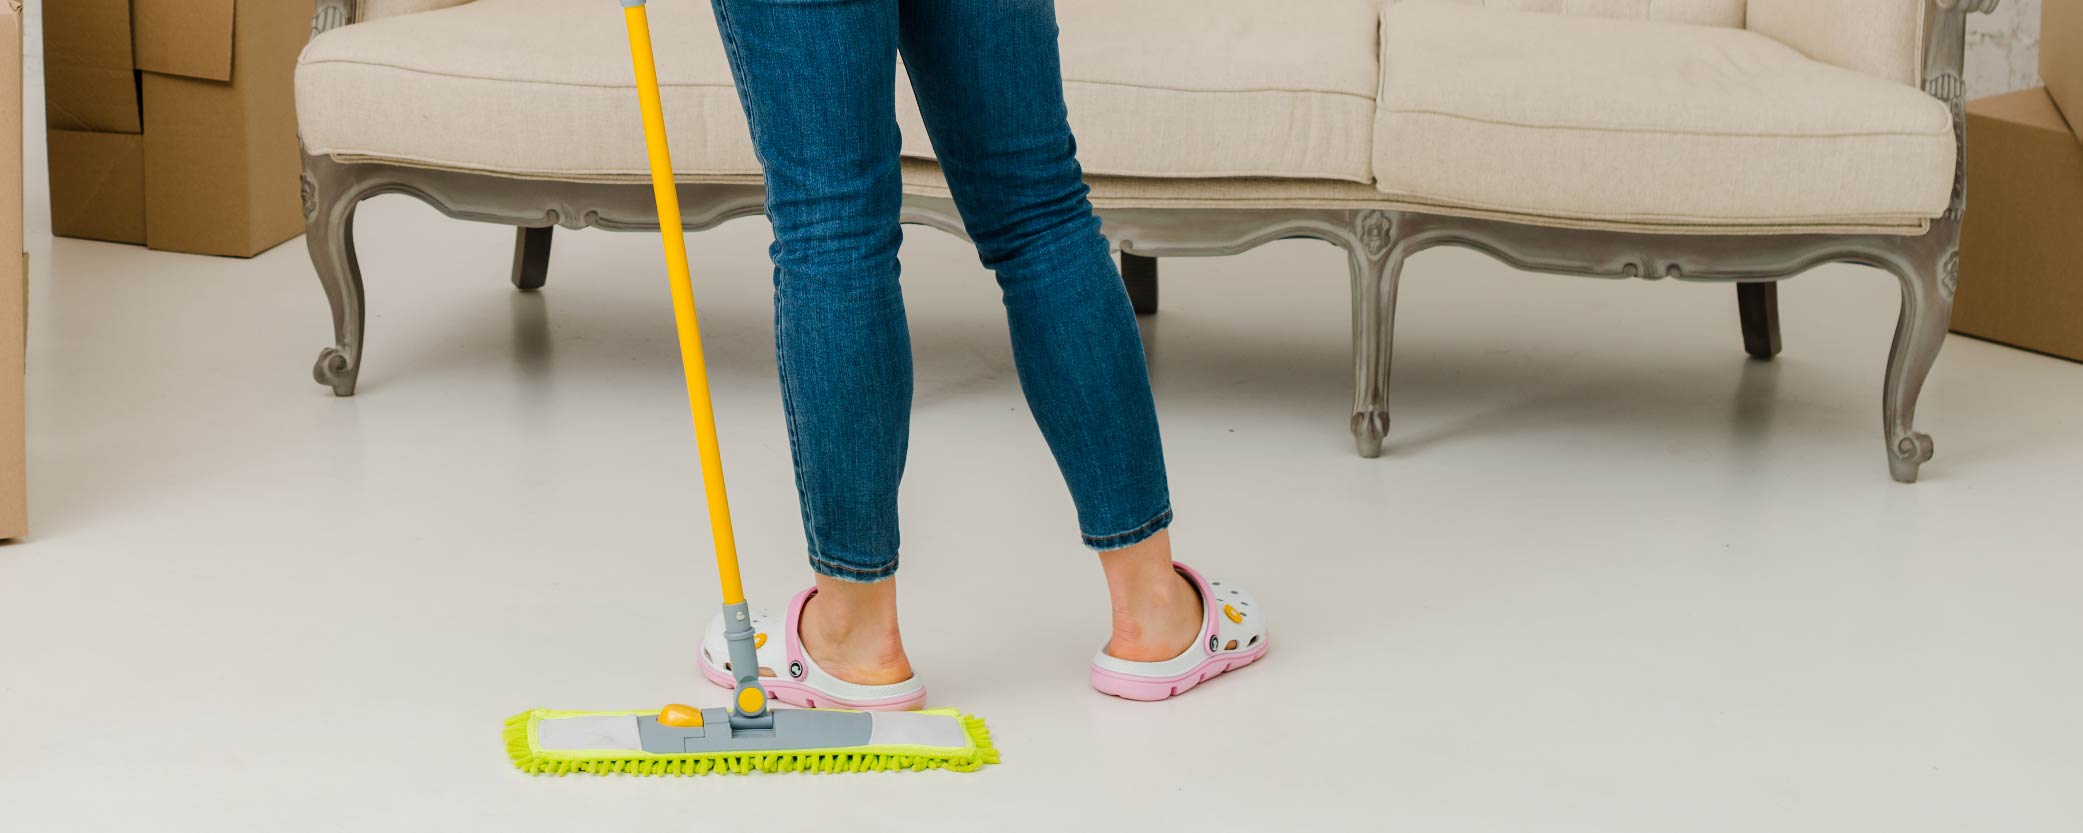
x=1139, y=274
x=1928, y=282
x=1377, y=265
x=1758, y=306
x=330, y=197
x=532, y=257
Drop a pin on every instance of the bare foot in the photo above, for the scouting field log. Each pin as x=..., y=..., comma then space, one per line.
x=1157, y=612
x=851, y=630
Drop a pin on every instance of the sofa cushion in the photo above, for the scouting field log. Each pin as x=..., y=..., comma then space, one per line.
x=1637, y=121
x=1876, y=37
x=533, y=87
x=1214, y=88
x=542, y=87
x=1705, y=12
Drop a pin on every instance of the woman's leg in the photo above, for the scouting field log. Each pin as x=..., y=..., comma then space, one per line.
x=817, y=81
x=989, y=83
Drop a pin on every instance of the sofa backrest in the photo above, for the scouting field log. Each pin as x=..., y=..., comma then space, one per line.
x=1876, y=37
x=373, y=9
x=1707, y=12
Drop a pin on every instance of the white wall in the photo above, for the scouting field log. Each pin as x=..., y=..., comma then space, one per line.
x=2003, y=49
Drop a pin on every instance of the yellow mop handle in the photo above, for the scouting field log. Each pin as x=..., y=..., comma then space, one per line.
x=683, y=302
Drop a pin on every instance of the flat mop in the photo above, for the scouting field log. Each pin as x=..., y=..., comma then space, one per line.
x=748, y=736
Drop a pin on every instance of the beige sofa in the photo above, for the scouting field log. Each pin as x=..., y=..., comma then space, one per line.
x=1743, y=141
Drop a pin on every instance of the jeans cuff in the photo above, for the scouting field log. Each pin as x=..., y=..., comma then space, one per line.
x=833, y=569
x=1123, y=540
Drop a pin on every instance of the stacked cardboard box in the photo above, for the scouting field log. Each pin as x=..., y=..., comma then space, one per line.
x=14, y=279
x=2021, y=248
x=172, y=123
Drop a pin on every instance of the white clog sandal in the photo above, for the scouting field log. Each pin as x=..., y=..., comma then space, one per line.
x=791, y=676
x=1233, y=635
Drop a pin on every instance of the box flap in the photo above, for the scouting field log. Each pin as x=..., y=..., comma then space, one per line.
x=190, y=38
x=2026, y=108
x=90, y=82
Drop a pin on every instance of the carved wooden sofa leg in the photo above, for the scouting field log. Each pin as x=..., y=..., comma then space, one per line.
x=1930, y=271
x=1928, y=266
x=1376, y=257
x=330, y=197
x=1758, y=304
x=532, y=257
x=1139, y=273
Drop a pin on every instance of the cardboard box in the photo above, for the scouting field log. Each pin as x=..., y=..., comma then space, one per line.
x=2021, y=247
x=172, y=123
x=2061, y=58
x=103, y=193
x=14, y=280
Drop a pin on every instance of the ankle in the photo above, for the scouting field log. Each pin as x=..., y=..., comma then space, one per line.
x=851, y=631
x=1156, y=610
x=856, y=606
x=1136, y=570
x=837, y=621
x=1157, y=598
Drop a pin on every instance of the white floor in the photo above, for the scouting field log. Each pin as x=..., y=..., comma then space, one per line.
x=1611, y=576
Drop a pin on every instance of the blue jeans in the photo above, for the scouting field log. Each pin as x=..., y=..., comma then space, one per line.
x=818, y=82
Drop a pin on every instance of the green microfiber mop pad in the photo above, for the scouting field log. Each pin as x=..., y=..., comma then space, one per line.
x=547, y=742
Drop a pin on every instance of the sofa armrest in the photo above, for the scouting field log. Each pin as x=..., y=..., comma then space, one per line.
x=1892, y=39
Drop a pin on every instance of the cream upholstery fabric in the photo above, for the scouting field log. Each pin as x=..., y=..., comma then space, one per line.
x=1705, y=12
x=1194, y=88
x=542, y=87
x=1876, y=37
x=1115, y=192
x=1550, y=115
x=373, y=9
x=1486, y=112
x=527, y=87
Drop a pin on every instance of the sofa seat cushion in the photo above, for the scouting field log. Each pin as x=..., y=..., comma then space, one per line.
x=1214, y=88
x=542, y=88
x=1646, y=122
x=527, y=87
